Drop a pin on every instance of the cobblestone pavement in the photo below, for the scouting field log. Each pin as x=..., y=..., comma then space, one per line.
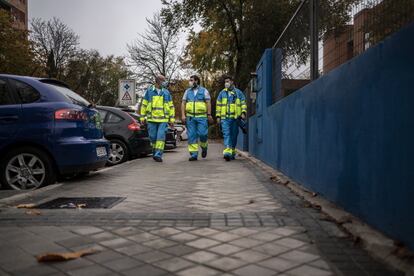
x=201, y=218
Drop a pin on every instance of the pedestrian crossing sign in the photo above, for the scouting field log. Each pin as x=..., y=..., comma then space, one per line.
x=127, y=94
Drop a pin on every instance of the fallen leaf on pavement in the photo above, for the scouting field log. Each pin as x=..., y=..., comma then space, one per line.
x=59, y=257
x=82, y=205
x=26, y=206
x=33, y=212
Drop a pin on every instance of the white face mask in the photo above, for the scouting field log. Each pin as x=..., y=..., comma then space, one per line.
x=191, y=84
x=227, y=84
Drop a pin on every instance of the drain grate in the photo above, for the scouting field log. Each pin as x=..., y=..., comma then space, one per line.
x=81, y=202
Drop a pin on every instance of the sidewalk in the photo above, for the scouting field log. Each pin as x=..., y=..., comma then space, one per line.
x=201, y=218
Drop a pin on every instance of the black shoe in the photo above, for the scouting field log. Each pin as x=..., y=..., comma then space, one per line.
x=157, y=159
x=192, y=158
x=227, y=157
x=204, y=153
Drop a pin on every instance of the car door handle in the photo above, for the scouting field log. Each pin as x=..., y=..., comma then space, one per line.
x=9, y=118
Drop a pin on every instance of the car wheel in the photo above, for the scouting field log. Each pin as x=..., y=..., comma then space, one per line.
x=118, y=152
x=27, y=169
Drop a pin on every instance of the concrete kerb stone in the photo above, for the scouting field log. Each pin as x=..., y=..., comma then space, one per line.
x=376, y=243
x=9, y=200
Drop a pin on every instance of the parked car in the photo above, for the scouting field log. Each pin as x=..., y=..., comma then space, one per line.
x=181, y=132
x=46, y=130
x=170, y=137
x=127, y=136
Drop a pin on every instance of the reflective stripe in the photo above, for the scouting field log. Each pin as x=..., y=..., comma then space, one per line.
x=158, y=117
x=158, y=108
x=193, y=147
x=159, y=145
x=204, y=145
x=227, y=151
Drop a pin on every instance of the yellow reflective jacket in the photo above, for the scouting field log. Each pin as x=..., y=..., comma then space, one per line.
x=230, y=104
x=196, y=105
x=157, y=108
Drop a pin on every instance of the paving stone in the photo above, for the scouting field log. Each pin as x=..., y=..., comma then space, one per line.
x=143, y=237
x=254, y=270
x=199, y=271
x=104, y=256
x=204, y=232
x=289, y=242
x=104, y=236
x=86, y=230
x=224, y=237
x=122, y=264
x=174, y=264
x=153, y=256
x=38, y=270
x=73, y=264
x=133, y=249
x=145, y=270
x=76, y=241
x=271, y=249
x=165, y=232
x=299, y=256
x=320, y=264
x=159, y=243
x=250, y=256
x=90, y=270
x=203, y=243
x=225, y=249
x=179, y=250
x=243, y=231
x=265, y=236
x=283, y=231
x=126, y=231
x=246, y=242
x=116, y=243
x=278, y=264
x=309, y=271
x=184, y=237
x=201, y=256
x=227, y=263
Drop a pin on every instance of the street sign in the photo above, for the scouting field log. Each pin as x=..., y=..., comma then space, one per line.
x=126, y=95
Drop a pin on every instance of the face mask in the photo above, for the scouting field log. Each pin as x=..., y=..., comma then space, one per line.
x=164, y=84
x=191, y=84
x=227, y=84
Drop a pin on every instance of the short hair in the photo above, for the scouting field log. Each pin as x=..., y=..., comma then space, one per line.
x=228, y=77
x=196, y=78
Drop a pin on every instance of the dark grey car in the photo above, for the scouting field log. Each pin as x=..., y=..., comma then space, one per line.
x=127, y=136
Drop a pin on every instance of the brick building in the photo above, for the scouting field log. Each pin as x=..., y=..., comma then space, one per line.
x=18, y=10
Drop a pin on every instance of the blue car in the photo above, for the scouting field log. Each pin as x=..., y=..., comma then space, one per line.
x=46, y=130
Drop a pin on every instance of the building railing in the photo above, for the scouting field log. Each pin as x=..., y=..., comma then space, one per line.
x=322, y=35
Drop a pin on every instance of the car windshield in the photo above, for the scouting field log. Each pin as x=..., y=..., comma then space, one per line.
x=73, y=96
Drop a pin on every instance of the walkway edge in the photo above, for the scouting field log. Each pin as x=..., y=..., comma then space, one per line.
x=9, y=200
x=376, y=243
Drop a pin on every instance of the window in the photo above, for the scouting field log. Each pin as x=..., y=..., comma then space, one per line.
x=5, y=97
x=27, y=94
x=102, y=113
x=72, y=96
x=113, y=118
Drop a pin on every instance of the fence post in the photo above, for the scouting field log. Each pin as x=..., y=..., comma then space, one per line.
x=314, y=31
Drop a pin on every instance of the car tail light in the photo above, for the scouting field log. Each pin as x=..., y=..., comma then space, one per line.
x=134, y=126
x=71, y=115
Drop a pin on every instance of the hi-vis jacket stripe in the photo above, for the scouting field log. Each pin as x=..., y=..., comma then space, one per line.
x=230, y=104
x=157, y=108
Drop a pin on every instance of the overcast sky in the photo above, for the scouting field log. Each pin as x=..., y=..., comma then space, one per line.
x=105, y=25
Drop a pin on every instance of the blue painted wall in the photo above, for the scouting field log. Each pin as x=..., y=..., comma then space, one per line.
x=349, y=135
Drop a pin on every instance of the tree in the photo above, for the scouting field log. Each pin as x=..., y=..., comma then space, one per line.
x=95, y=77
x=16, y=55
x=155, y=52
x=54, y=44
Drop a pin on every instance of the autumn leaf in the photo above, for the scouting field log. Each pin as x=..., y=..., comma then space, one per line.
x=59, y=257
x=26, y=206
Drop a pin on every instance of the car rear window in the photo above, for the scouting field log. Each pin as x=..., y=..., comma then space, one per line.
x=72, y=96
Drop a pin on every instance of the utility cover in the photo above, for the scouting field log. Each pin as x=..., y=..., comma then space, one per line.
x=81, y=203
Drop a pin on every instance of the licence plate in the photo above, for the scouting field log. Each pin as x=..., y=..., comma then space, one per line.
x=101, y=151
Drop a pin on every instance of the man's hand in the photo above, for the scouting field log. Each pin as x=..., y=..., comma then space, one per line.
x=243, y=116
x=218, y=121
x=183, y=119
x=210, y=119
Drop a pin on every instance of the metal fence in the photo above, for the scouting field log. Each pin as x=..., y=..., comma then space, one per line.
x=323, y=34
